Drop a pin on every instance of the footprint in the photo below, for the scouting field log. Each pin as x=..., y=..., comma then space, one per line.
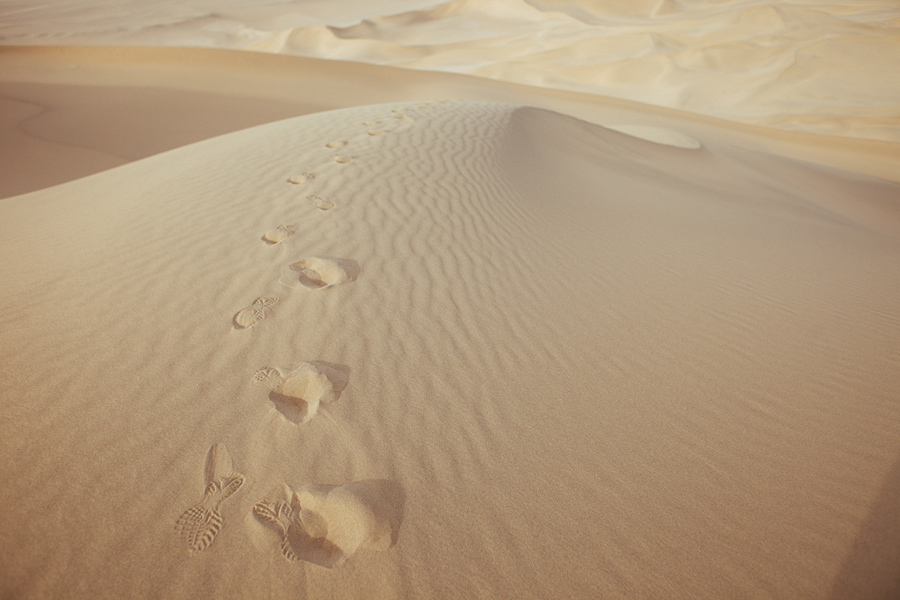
x=267, y=375
x=337, y=144
x=425, y=106
x=280, y=515
x=317, y=272
x=399, y=110
x=321, y=203
x=200, y=524
x=302, y=178
x=276, y=236
x=376, y=132
x=372, y=123
x=253, y=314
x=298, y=392
x=342, y=159
x=401, y=116
x=326, y=525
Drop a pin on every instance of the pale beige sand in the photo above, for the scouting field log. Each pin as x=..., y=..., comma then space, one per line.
x=825, y=66
x=120, y=104
x=466, y=337
x=576, y=363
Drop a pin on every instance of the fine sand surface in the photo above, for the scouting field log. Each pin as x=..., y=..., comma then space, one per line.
x=824, y=67
x=560, y=299
x=72, y=111
x=519, y=355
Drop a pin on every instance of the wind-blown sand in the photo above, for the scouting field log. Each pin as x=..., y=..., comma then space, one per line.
x=74, y=111
x=824, y=67
x=575, y=353
x=435, y=337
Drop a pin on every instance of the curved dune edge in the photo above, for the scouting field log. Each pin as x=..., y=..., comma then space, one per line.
x=557, y=333
x=825, y=67
x=658, y=135
x=79, y=120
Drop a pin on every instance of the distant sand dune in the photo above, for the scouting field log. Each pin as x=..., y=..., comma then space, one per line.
x=63, y=123
x=826, y=67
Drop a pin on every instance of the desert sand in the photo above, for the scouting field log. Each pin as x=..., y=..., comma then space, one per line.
x=279, y=322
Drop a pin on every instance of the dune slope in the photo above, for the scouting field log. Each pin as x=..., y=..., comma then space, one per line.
x=71, y=111
x=469, y=350
x=823, y=67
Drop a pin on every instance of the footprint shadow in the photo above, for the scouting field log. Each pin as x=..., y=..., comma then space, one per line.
x=388, y=501
x=291, y=411
x=326, y=525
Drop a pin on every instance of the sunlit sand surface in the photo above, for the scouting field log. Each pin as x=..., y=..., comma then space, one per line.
x=482, y=299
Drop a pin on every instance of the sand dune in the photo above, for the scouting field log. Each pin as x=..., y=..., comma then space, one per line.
x=576, y=363
x=449, y=299
x=824, y=67
x=73, y=111
x=787, y=64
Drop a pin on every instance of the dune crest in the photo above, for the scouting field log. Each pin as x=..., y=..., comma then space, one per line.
x=782, y=64
x=658, y=135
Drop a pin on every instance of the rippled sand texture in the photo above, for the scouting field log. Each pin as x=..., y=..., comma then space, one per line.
x=467, y=299
x=581, y=362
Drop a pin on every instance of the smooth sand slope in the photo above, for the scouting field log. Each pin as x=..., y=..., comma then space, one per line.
x=824, y=67
x=470, y=350
x=67, y=112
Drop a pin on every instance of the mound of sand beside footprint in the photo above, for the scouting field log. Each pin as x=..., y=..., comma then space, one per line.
x=524, y=356
x=298, y=391
x=326, y=525
x=318, y=272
